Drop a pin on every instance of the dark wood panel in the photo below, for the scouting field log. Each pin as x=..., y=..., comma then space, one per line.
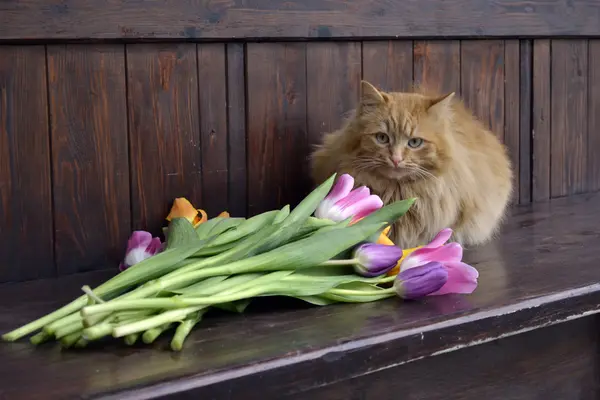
x=236, y=125
x=212, y=92
x=512, y=110
x=437, y=65
x=593, y=144
x=482, y=81
x=388, y=64
x=333, y=84
x=533, y=366
x=568, y=172
x=289, y=348
x=164, y=130
x=26, y=221
x=28, y=19
x=89, y=155
x=277, y=138
x=525, y=100
x=541, y=121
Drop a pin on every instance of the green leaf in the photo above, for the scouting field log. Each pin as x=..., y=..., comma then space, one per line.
x=203, y=229
x=282, y=214
x=235, y=306
x=247, y=227
x=310, y=203
x=181, y=232
x=224, y=225
x=316, y=300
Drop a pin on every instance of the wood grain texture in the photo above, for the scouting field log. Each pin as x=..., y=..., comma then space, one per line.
x=482, y=81
x=89, y=155
x=212, y=93
x=568, y=172
x=164, y=130
x=26, y=221
x=388, y=64
x=260, y=19
x=593, y=144
x=526, y=132
x=277, y=138
x=512, y=110
x=236, y=128
x=534, y=365
x=292, y=347
x=437, y=65
x=541, y=121
x=333, y=83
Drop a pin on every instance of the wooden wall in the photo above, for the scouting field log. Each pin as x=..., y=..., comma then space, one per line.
x=98, y=138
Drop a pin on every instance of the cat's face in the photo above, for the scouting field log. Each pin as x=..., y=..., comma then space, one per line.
x=402, y=135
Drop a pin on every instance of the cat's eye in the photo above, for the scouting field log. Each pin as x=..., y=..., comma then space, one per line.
x=415, y=143
x=382, y=138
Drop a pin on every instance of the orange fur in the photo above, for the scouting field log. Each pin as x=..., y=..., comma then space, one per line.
x=458, y=169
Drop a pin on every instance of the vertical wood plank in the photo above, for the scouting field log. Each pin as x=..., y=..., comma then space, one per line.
x=236, y=125
x=437, y=65
x=333, y=83
x=26, y=225
x=277, y=138
x=482, y=81
x=541, y=121
x=568, y=172
x=213, y=126
x=89, y=154
x=389, y=64
x=593, y=146
x=164, y=130
x=512, y=91
x=525, y=99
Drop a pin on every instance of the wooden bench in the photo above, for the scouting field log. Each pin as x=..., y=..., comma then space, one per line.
x=530, y=331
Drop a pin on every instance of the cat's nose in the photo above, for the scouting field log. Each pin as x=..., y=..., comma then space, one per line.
x=396, y=161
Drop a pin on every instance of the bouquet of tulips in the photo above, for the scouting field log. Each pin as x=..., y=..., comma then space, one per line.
x=341, y=254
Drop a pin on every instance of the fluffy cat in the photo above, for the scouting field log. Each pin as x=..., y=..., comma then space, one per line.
x=405, y=145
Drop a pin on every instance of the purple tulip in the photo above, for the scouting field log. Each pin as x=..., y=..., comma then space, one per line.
x=140, y=246
x=421, y=281
x=375, y=259
x=462, y=278
x=343, y=202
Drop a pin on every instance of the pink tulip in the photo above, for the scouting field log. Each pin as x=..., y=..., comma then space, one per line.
x=343, y=202
x=462, y=278
x=140, y=246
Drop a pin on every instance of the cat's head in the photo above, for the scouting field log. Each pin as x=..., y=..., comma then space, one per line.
x=401, y=135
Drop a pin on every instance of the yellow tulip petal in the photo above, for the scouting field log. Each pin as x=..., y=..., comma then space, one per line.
x=224, y=214
x=405, y=253
x=386, y=231
x=182, y=208
x=383, y=239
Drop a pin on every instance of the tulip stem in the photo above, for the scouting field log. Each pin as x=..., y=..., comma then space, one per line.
x=351, y=261
x=347, y=292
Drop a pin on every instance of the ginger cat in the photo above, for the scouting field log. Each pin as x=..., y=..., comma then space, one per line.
x=404, y=145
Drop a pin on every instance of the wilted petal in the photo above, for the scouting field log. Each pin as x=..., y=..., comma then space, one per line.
x=452, y=252
x=462, y=279
x=442, y=237
x=182, y=208
x=376, y=259
x=421, y=281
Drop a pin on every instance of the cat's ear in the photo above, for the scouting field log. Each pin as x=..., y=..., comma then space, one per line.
x=440, y=105
x=370, y=97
